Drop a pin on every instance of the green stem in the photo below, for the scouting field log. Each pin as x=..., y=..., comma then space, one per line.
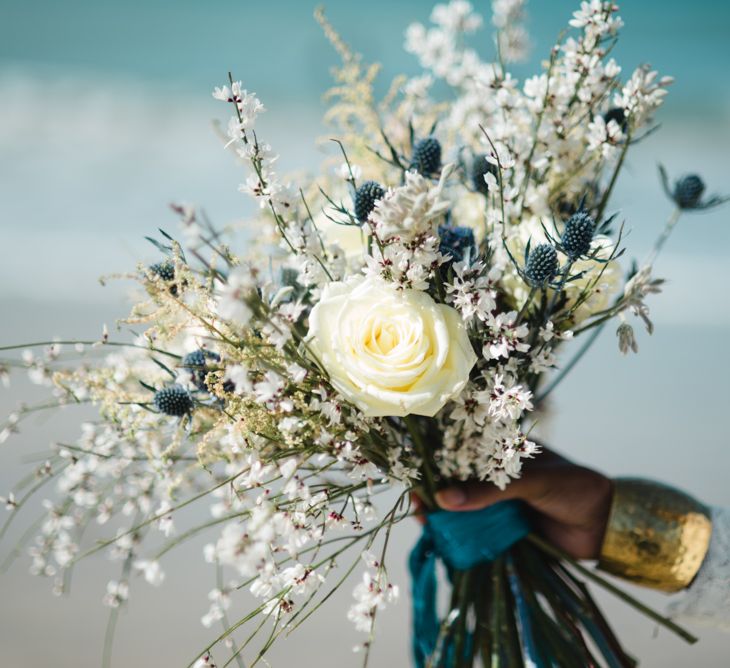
x=440, y=285
x=236, y=654
x=496, y=622
x=535, y=133
x=666, y=232
x=421, y=448
x=37, y=344
x=569, y=366
x=109, y=637
x=526, y=305
x=462, y=601
x=158, y=516
x=614, y=177
x=559, y=289
x=113, y=618
x=620, y=593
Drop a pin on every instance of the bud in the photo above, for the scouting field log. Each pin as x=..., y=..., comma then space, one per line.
x=541, y=265
x=365, y=197
x=578, y=235
x=173, y=400
x=626, y=338
x=427, y=156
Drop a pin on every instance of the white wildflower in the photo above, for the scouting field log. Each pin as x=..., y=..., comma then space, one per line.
x=505, y=336
x=116, y=593
x=238, y=375
x=9, y=501
x=220, y=602
x=152, y=571
x=637, y=288
x=232, y=296
x=411, y=210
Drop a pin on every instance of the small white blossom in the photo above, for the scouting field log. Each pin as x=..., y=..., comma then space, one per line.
x=505, y=336
x=9, y=501
x=116, y=593
x=247, y=104
x=238, y=375
x=220, y=602
x=232, y=296
x=151, y=570
x=373, y=593
x=637, y=288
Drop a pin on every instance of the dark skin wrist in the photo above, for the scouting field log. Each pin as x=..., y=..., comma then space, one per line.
x=570, y=503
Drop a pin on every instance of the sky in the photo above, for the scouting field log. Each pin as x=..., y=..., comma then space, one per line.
x=106, y=118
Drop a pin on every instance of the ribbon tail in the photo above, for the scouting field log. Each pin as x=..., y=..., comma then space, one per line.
x=422, y=566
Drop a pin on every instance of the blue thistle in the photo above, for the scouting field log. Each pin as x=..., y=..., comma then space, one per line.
x=479, y=169
x=365, y=197
x=617, y=114
x=458, y=242
x=197, y=364
x=688, y=191
x=173, y=400
x=165, y=270
x=426, y=158
x=289, y=276
x=578, y=235
x=541, y=265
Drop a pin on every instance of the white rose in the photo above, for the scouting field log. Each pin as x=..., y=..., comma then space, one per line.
x=389, y=351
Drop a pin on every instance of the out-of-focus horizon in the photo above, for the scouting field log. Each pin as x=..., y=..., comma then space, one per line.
x=106, y=119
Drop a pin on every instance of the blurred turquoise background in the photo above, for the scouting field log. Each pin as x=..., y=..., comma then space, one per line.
x=105, y=118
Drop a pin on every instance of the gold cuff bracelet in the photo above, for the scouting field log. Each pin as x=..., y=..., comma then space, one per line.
x=656, y=536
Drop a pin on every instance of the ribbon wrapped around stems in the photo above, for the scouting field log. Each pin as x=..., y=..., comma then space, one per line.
x=461, y=540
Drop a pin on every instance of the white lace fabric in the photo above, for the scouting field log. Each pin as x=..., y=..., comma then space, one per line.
x=707, y=600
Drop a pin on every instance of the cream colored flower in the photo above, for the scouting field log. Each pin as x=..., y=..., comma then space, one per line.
x=390, y=352
x=351, y=239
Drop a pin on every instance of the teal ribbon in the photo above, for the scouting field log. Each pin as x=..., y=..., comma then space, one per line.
x=461, y=540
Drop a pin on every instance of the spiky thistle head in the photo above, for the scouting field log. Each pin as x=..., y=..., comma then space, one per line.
x=617, y=114
x=196, y=363
x=426, y=158
x=541, y=265
x=479, y=169
x=173, y=400
x=578, y=235
x=458, y=242
x=165, y=270
x=688, y=191
x=365, y=197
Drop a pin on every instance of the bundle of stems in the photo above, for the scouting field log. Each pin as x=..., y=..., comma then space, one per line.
x=528, y=608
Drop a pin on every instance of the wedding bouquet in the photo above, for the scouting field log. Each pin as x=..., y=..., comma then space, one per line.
x=394, y=323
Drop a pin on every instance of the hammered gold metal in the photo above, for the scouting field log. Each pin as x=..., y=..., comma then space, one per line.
x=656, y=535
